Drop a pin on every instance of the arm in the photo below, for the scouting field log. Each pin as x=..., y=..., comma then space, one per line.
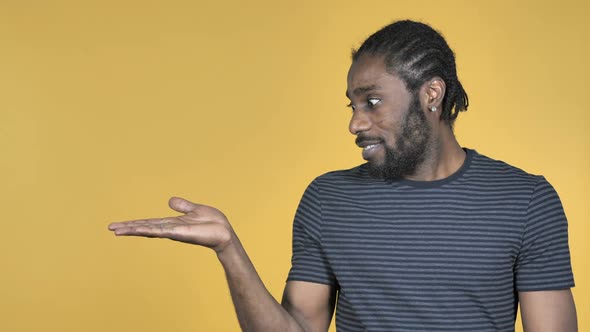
x=256, y=309
x=305, y=306
x=544, y=262
x=548, y=311
x=311, y=304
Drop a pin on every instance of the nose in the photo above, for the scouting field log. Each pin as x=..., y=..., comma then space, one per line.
x=359, y=122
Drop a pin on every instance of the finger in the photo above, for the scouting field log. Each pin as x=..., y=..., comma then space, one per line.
x=129, y=223
x=140, y=222
x=181, y=205
x=145, y=231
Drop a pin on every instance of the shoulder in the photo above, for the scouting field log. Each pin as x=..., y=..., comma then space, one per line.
x=494, y=171
x=352, y=174
x=352, y=179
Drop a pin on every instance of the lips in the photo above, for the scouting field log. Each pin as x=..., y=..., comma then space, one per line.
x=363, y=142
x=369, y=151
x=370, y=147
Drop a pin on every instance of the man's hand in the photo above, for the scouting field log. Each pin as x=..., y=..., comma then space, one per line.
x=200, y=224
x=257, y=310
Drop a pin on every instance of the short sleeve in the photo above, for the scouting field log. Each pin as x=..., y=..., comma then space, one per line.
x=544, y=259
x=309, y=262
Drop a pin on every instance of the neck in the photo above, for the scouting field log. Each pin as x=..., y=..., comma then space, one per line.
x=444, y=157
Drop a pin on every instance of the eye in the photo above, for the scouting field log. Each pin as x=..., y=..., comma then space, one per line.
x=373, y=101
x=351, y=106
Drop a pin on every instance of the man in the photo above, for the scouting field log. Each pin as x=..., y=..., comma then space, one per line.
x=426, y=236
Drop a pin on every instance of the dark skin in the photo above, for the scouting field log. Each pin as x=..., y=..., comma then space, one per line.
x=309, y=306
x=380, y=101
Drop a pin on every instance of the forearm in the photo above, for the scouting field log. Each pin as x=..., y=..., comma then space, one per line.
x=256, y=308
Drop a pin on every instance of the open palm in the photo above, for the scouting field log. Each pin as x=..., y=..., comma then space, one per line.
x=200, y=224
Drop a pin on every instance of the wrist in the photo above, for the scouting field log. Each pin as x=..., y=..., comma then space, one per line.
x=230, y=250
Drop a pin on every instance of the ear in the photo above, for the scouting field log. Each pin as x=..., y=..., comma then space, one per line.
x=432, y=94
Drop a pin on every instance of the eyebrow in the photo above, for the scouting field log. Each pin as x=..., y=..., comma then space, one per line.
x=363, y=89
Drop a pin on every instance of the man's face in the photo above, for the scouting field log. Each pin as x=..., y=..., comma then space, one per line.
x=387, y=119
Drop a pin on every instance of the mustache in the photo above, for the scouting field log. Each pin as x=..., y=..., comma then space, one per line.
x=360, y=139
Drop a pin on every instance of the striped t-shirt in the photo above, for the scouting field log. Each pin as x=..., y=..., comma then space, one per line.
x=445, y=255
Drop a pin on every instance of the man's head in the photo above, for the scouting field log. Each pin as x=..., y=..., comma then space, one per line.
x=415, y=53
x=402, y=85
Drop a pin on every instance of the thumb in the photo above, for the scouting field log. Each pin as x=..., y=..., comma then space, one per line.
x=181, y=205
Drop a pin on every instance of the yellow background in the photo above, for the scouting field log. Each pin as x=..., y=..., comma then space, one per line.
x=109, y=107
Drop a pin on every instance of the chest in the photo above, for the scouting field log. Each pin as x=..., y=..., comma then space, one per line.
x=422, y=240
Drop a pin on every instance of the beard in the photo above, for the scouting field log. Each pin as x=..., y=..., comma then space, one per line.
x=409, y=151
